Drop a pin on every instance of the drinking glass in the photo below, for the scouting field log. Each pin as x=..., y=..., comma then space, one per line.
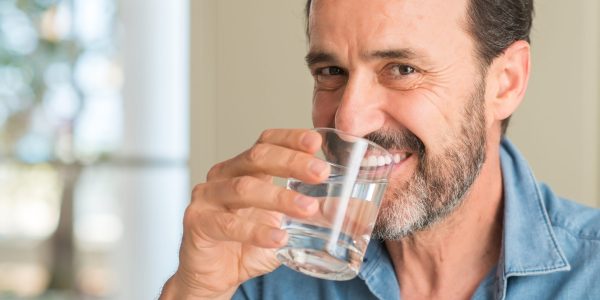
x=331, y=244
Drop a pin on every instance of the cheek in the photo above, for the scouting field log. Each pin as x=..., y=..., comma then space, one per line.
x=490, y=113
x=424, y=114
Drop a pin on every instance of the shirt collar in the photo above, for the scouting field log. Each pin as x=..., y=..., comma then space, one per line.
x=378, y=271
x=529, y=243
x=530, y=246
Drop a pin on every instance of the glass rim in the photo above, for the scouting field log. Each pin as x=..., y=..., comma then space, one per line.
x=337, y=131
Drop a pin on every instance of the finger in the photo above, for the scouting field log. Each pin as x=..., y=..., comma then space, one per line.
x=225, y=226
x=303, y=140
x=247, y=191
x=300, y=139
x=275, y=161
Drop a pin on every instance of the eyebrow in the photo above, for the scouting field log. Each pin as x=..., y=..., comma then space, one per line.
x=316, y=57
x=393, y=54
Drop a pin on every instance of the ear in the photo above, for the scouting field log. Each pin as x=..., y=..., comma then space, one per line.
x=509, y=75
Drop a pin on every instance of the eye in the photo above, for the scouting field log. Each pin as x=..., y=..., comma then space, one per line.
x=330, y=71
x=402, y=70
x=400, y=76
x=330, y=78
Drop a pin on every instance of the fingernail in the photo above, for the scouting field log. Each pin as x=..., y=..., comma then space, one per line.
x=277, y=235
x=318, y=167
x=304, y=202
x=307, y=140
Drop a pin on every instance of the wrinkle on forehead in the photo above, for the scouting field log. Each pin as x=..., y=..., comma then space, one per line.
x=434, y=29
x=375, y=17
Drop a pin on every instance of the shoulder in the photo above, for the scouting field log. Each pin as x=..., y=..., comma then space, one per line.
x=576, y=231
x=576, y=228
x=579, y=221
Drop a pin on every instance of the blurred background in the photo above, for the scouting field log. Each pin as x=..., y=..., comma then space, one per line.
x=110, y=110
x=93, y=146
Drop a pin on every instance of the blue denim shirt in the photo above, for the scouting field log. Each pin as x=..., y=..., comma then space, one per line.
x=550, y=250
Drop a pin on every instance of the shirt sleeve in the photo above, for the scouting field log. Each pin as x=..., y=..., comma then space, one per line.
x=249, y=290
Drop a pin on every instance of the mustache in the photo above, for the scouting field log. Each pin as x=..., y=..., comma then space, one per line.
x=397, y=139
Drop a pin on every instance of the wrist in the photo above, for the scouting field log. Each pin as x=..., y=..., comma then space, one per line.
x=176, y=289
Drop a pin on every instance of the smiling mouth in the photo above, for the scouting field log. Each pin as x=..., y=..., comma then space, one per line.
x=381, y=160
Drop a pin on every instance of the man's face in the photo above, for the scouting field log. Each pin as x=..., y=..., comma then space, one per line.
x=404, y=74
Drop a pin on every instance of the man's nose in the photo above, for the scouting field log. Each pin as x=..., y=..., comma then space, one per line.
x=359, y=112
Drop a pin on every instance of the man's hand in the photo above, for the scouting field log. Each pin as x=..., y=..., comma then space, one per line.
x=231, y=227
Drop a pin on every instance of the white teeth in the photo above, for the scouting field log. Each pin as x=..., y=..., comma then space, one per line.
x=376, y=161
x=398, y=157
x=372, y=162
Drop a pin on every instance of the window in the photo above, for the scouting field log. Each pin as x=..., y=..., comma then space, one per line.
x=93, y=146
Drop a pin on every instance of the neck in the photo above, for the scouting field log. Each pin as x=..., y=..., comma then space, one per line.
x=451, y=258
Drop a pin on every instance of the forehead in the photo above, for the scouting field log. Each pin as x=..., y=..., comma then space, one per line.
x=381, y=24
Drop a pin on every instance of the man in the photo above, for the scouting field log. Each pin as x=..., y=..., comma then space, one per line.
x=462, y=217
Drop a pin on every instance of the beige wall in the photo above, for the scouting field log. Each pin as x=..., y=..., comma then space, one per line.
x=248, y=74
x=557, y=126
x=203, y=87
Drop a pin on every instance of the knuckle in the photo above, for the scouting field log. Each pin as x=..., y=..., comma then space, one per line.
x=198, y=191
x=214, y=171
x=257, y=153
x=281, y=197
x=228, y=222
x=293, y=159
x=265, y=135
x=255, y=235
x=189, y=217
x=273, y=220
x=241, y=185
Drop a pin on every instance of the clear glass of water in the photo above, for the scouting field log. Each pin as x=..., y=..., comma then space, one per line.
x=332, y=243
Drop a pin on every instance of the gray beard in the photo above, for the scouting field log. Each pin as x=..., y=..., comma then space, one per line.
x=440, y=183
